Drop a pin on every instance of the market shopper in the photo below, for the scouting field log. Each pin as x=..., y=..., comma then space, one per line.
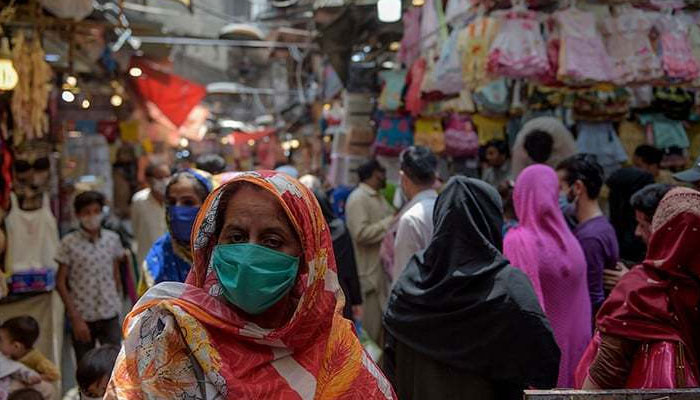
x=543, y=247
x=497, y=156
x=648, y=158
x=690, y=176
x=542, y=140
x=344, y=258
x=88, y=277
x=461, y=321
x=623, y=183
x=170, y=258
x=148, y=210
x=369, y=217
x=649, y=328
x=644, y=203
x=213, y=164
x=259, y=316
x=581, y=179
x=414, y=229
x=94, y=371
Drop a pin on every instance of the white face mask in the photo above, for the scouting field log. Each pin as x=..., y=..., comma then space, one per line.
x=91, y=223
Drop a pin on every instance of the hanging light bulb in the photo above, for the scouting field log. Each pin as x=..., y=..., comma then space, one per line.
x=67, y=96
x=135, y=72
x=389, y=10
x=116, y=100
x=72, y=80
x=8, y=74
x=85, y=104
x=418, y=3
x=184, y=142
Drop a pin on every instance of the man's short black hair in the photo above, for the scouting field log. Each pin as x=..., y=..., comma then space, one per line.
x=96, y=364
x=584, y=167
x=646, y=200
x=500, y=145
x=212, y=163
x=418, y=163
x=25, y=394
x=649, y=154
x=87, y=198
x=538, y=145
x=23, y=329
x=366, y=170
x=152, y=167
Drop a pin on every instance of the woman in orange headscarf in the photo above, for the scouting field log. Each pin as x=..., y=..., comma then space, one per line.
x=259, y=316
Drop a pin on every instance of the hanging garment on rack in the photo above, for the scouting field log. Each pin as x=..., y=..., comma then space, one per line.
x=474, y=44
x=429, y=133
x=394, y=134
x=493, y=98
x=676, y=54
x=519, y=51
x=430, y=25
x=410, y=42
x=600, y=138
x=414, y=82
x=37, y=227
x=393, y=82
x=627, y=40
x=461, y=139
x=666, y=132
x=489, y=128
x=602, y=103
x=583, y=59
x=448, y=69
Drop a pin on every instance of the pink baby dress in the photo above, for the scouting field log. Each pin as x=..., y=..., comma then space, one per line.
x=518, y=51
x=583, y=59
x=676, y=53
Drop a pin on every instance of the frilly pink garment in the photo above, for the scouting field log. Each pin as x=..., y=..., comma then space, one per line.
x=583, y=59
x=655, y=366
x=629, y=46
x=410, y=43
x=519, y=50
x=676, y=53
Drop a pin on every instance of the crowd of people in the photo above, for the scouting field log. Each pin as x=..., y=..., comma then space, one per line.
x=544, y=273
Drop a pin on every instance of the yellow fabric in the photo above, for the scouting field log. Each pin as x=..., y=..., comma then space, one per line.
x=429, y=133
x=490, y=128
x=39, y=363
x=474, y=44
x=631, y=136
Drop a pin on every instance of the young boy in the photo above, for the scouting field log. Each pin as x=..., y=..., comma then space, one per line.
x=88, y=277
x=94, y=371
x=17, y=338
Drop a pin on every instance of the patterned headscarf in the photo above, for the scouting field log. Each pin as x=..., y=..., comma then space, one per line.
x=315, y=355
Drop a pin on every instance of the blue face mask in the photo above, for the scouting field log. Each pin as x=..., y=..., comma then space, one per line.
x=181, y=221
x=254, y=278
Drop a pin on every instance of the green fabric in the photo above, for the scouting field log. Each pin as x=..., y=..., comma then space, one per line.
x=254, y=277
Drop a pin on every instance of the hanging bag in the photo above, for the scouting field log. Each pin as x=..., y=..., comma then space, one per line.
x=429, y=133
x=393, y=135
x=461, y=139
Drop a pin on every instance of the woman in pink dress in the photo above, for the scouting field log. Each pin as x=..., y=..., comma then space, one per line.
x=545, y=249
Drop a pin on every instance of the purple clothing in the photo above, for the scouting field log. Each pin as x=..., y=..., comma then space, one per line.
x=599, y=243
x=544, y=247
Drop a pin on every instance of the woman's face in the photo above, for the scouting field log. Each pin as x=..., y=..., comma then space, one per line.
x=255, y=216
x=182, y=193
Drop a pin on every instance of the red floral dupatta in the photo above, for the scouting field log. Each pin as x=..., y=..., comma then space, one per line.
x=185, y=341
x=657, y=302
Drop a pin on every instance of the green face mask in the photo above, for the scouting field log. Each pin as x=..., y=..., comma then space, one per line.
x=254, y=277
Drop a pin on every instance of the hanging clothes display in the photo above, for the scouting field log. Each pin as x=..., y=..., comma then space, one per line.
x=414, y=81
x=628, y=43
x=474, y=44
x=37, y=227
x=519, y=51
x=393, y=82
x=410, y=42
x=666, y=132
x=582, y=56
x=490, y=128
x=676, y=54
x=600, y=138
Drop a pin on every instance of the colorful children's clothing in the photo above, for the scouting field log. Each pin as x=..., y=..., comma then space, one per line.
x=393, y=81
x=41, y=365
x=474, y=44
x=667, y=132
x=489, y=128
x=628, y=44
x=519, y=50
x=582, y=55
x=676, y=54
x=410, y=43
x=600, y=138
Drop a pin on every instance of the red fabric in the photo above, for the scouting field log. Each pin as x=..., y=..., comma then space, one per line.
x=658, y=301
x=414, y=80
x=108, y=129
x=172, y=94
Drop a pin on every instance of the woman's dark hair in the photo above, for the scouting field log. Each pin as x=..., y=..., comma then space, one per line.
x=96, y=364
x=647, y=199
x=153, y=167
x=649, y=154
x=419, y=165
x=199, y=187
x=87, y=198
x=584, y=167
x=538, y=145
x=212, y=163
x=500, y=145
x=25, y=394
x=366, y=170
x=23, y=329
